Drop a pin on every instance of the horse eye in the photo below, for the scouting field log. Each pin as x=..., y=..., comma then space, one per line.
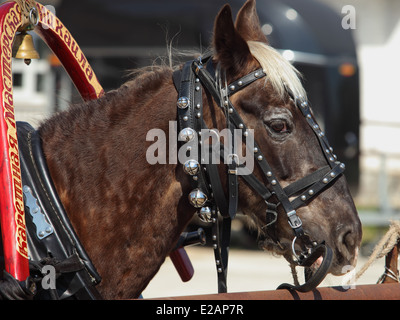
x=278, y=126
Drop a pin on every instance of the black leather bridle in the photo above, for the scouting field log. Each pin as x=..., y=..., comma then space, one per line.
x=208, y=194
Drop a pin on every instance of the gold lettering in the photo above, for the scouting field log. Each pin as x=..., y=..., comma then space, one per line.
x=89, y=73
x=83, y=60
x=75, y=48
x=18, y=189
x=59, y=27
x=9, y=98
x=14, y=158
x=13, y=143
x=67, y=38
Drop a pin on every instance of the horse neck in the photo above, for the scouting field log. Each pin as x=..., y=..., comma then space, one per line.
x=119, y=204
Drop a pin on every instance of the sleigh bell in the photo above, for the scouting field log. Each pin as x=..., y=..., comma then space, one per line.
x=191, y=167
x=197, y=198
x=186, y=134
x=23, y=48
x=183, y=102
x=205, y=214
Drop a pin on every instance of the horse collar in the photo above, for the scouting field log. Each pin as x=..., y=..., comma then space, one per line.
x=208, y=195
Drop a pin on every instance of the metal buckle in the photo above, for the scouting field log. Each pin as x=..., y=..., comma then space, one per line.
x=294, y=220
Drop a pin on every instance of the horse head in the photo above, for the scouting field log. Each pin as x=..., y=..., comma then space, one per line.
x=129, y=212
x=300, y=168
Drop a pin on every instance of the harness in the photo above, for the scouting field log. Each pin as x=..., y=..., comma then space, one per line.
x=208, y=194
x=52, y=240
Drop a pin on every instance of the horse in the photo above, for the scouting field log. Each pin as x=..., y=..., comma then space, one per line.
x=129, y=212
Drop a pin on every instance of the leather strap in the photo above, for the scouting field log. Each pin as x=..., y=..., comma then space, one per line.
x=319, y=275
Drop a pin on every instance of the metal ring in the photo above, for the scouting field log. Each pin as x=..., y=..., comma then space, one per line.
x=293, y=251
x=33, y=17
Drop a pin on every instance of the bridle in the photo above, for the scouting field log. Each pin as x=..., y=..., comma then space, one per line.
x=208, y=194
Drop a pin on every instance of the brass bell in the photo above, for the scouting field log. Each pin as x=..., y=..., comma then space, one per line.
x=23, y=48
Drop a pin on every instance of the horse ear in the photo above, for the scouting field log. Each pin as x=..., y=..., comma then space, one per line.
x=231, y=50
x=248, y=23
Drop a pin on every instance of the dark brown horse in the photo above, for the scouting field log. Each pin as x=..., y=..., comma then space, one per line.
x=129, y=213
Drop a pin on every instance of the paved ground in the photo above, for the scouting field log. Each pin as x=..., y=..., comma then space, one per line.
x=249, y=270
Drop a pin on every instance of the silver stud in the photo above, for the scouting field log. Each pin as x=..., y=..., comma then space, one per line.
x=273, y=182
x=191, y=167
x=232, y=87
x=303, y=197
x=255, y=150
x=259, y=158
x=195, y=178
x=226, y=103
x=240, y=83
x=185, y=118
x=331, y=159
x=215, y=246
x=197, y=88
x=256, y=74
x=197, y=198
x=183, y=102
x=217, y=262
x=311, y=192
x=197, y=80
x=230, y=110
x=332, y=174
x=342, y=165
x=325, y=180
x=205, y=214
x=241, y=125
x=219, y=270
x=214, y=237
x=198, y=115
x=246, y=133
x=186, y=134
x=198, y=106
x=269, y=174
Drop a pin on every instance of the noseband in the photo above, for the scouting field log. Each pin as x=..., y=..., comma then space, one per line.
x=208, y=194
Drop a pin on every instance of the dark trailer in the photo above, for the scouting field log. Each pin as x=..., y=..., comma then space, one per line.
x=121, y=34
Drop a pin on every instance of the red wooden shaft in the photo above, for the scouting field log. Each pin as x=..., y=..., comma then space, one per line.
x=182, y=264
x=12, y=219
x=60, y=41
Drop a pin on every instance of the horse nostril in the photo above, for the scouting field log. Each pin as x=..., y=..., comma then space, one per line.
x=348, y=242
x=349, y=239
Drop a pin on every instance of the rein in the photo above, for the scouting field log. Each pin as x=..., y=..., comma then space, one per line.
x=208, y=194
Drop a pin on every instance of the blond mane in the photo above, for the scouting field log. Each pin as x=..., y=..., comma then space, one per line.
x=280, y=73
